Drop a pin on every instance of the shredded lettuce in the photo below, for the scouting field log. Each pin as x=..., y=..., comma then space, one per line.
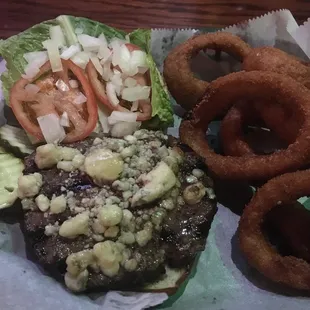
x=14, y=48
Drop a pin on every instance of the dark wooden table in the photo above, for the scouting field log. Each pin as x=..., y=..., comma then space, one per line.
x=17, y=15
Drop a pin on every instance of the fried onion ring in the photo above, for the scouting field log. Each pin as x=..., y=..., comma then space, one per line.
x=221, y=95
x=232, y=138
x=274, y=60
x=181, y=81
x=271, y=115
x=288, y=270
x=290, y=225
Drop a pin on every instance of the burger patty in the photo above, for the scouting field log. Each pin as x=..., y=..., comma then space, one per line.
x=180, y=235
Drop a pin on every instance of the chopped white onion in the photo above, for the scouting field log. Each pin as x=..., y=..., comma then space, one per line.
x=32, y=89
x=115, y=71
x=51, y=129
x=62, y=49
x=124, y=76
x=143, y=70
x=136, y=93
x=53, y=55
x=117, y=81
x=129, y=62
x=130, y=82
x=104, y=53
x=135, y=106
x=78, y=30
x=116, y=42
x=73, y=83
x=89, y=43
x=118, y=89
x=91, y=50
x=80, y=98
x=115, y=55
x=117, y=116
x=45, y=43
x=103, y=115
x=36, y=57
x=57, y=35
x=92, y=54
x=122, y=129
x=97, y=65
x=70, y=51
x=35, y=61
x=64, y=120
x=138, y=63
x=81, y=59
x=138, y=58
x=31, y=70
x=61, y=85
x=103, y=40
x=124, y=60
x=111, y=94
x=107, y=72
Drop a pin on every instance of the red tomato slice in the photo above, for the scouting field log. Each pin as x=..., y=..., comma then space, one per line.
x=84, y=120
x=145, y=107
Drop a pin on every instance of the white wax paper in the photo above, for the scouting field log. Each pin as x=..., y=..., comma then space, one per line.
x=222, y=280
x=301, y=35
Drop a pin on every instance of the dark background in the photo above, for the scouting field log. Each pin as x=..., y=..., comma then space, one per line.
x=17, y=15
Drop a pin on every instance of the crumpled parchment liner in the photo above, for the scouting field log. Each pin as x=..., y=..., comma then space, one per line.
x=266, y=30
x=302, y=36
x=222, y=280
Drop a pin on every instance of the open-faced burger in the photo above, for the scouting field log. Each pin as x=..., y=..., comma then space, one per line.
x=112, y=213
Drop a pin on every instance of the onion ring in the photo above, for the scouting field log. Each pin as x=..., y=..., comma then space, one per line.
x=288, y=270
x=221, y=95
x=290, y=224
x=280, y=121
x=274, y=60
x=232, y=138
x=181, y=81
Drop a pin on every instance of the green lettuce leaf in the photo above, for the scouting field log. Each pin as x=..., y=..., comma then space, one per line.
x=161, y=105
x=13, y=49
x=88, y=26
x=141, y=38
x=162, y=114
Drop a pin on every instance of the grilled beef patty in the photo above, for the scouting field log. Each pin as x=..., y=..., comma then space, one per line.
x=179, y=221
